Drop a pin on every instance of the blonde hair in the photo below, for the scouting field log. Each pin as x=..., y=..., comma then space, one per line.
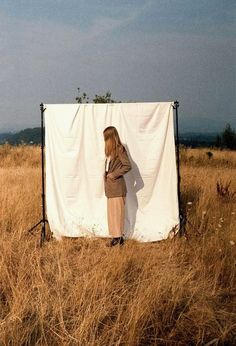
x=112, y=141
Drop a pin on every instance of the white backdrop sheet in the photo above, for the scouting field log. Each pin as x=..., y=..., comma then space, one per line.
x=76, y=204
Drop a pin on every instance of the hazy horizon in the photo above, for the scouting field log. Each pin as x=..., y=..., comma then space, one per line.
x=181, y=130
x=141, y=51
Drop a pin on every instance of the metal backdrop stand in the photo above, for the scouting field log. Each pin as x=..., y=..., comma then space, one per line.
x=181, y=217
x=43, y=220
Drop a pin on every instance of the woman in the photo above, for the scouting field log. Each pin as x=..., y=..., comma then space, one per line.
x=116, y=165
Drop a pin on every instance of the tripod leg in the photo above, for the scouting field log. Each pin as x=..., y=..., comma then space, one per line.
x=30, y=230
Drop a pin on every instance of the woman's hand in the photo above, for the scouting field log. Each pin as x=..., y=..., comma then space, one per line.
x=110, y=176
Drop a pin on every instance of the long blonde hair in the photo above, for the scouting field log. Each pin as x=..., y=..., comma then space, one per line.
x=112, y=141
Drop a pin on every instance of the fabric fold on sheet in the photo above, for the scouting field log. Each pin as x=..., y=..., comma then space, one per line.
x=76, y=204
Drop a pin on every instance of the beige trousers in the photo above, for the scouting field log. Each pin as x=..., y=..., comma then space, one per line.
x=116, y=215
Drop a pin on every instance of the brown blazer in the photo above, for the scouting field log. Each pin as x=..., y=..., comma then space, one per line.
x=118, y=166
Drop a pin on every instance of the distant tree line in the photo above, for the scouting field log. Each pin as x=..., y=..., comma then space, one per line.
x=29, y=136
x=224, y=140
x=227, y=139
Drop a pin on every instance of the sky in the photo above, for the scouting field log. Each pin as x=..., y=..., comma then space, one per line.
x=140, y=51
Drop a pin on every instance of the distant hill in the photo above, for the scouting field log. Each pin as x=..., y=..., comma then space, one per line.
x=195, y=139
x=32, y=136
x=204, y=125
x=5, y=135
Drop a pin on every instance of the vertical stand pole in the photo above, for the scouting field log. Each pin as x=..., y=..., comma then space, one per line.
x=176, y=103
x=43, y=220
x=176, y=106
x=43, y=231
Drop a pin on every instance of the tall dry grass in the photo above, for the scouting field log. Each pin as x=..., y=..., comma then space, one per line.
x=78, y=292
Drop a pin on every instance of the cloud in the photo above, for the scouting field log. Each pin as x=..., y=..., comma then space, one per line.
x=45, y=61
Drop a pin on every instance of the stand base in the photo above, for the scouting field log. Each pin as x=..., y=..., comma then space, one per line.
x=43, y=230
x=183, y=220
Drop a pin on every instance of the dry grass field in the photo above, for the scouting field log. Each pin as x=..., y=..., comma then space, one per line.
x=78, y=292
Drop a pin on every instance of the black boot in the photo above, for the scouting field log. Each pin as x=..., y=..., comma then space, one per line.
x=116, y=241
